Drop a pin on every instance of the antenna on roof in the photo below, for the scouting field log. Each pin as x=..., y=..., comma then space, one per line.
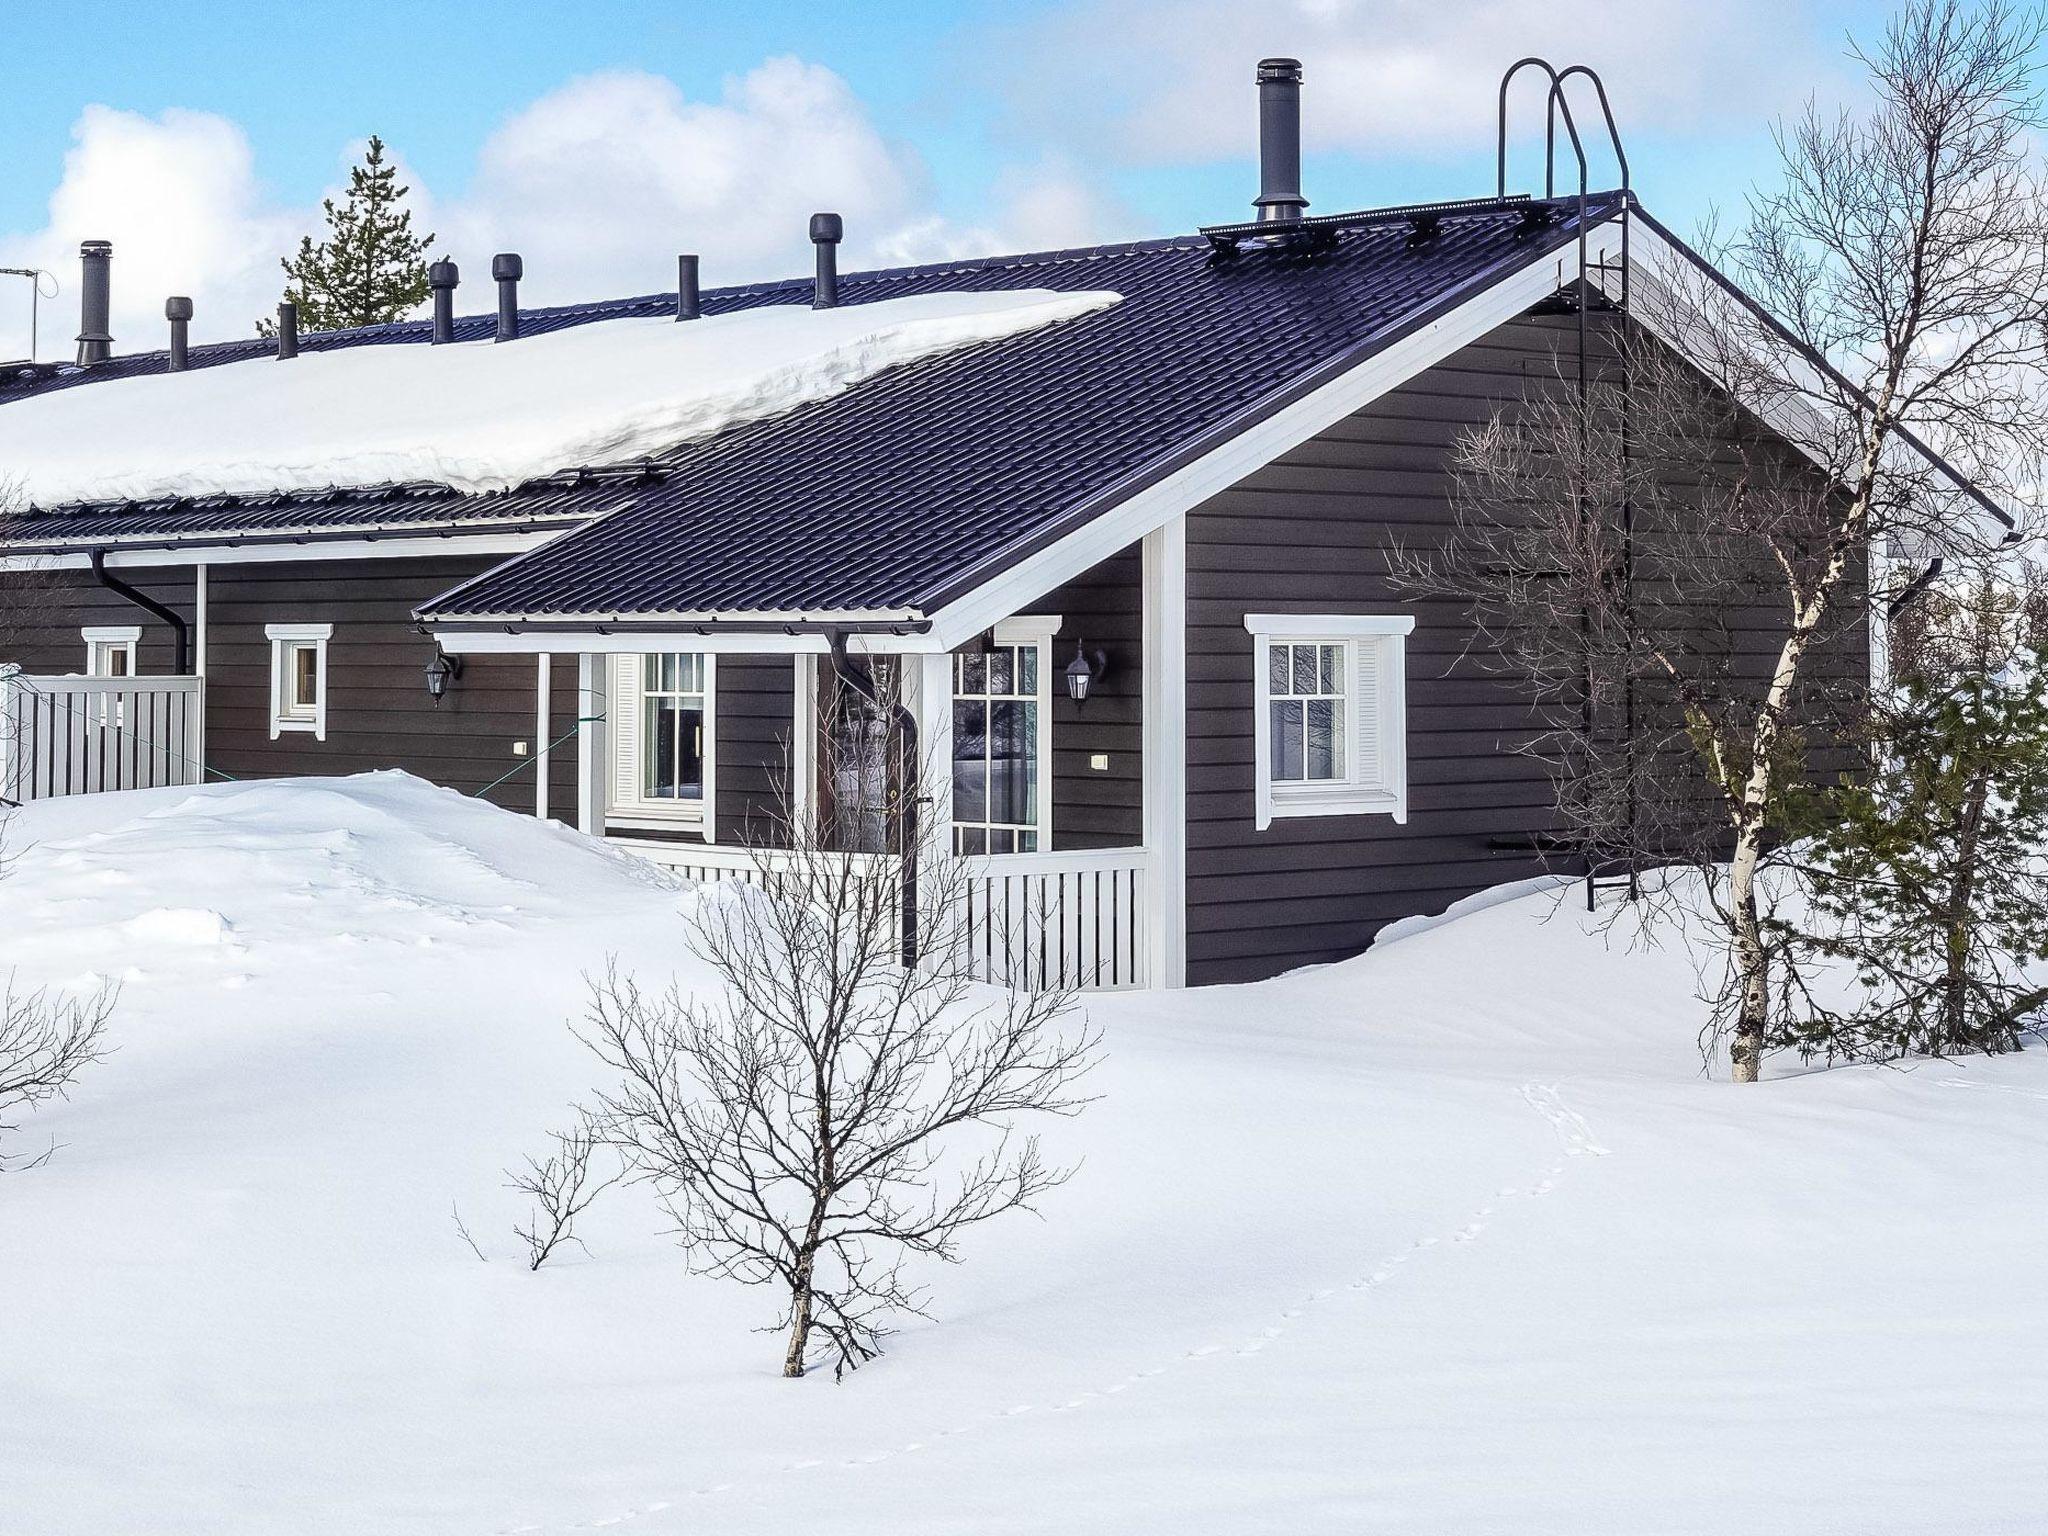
x=35, y=276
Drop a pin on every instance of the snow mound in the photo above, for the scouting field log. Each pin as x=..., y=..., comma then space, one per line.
x=176, y=925
x=479, y=416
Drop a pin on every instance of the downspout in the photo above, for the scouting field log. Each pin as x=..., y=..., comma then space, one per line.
x=179, y=627
x=905, y=723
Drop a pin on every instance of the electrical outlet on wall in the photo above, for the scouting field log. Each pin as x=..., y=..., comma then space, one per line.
x=519, y=749
x=1099, y=761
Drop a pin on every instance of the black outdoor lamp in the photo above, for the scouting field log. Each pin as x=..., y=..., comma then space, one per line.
x=1085, y=671
x=442, y=671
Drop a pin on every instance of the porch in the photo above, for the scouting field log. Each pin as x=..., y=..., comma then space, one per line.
x=1049, y=751
x=86, y=735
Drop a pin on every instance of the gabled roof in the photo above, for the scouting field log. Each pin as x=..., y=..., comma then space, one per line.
x=888, y=498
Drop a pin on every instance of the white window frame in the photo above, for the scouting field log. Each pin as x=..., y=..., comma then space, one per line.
x=626, y=804
x=1036, y=630
x=103, y=640
x=286, y=715
x=1375, y=778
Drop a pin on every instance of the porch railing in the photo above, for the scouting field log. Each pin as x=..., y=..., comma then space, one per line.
x=1028, y=920
x=1039, y=920
x=84, y=735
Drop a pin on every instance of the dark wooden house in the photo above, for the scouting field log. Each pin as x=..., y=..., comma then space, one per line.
x=1189, y=496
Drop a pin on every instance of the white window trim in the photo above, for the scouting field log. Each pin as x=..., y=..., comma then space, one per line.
x=635, y=811
x=122, y=637
x=1389, y=796
x=1029, y=629
x=283, y=639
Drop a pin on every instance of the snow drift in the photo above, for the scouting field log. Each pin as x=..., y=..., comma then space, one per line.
x=1453, y=1237
x=479, y=416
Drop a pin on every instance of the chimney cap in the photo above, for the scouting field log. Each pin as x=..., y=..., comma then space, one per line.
x=827, y=229
x=507, y=267
x=443, y=274
x=1280, y=69
x=95, y=247
x=177, y=307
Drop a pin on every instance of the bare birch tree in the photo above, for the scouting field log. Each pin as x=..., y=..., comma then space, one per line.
x=1900, y=273
x=827, y=1114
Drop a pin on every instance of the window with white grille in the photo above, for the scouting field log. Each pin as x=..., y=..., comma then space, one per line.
x=1330, y=734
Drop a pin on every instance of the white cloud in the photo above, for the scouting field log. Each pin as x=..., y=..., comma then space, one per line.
x=1170, y=81
x=597, y=184
x=178, y=196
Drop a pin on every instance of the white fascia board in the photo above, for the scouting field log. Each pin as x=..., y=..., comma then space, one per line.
x=211, y=550
x=1266, y=440
x=713, y=642
x=1331, y=626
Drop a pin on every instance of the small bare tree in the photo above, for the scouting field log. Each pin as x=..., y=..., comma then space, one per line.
x=1619, y=562
x=828, y=1113
x=45, y=1043
x=562, y=1186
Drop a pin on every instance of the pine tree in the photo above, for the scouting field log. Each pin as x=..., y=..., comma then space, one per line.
x=371, y=268
x=1928, y=877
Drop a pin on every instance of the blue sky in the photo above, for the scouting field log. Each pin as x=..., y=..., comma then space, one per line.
x=200, y=136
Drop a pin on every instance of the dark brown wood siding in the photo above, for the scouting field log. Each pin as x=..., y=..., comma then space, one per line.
x=1310, y=533
x=378, y=711
x=754, y=727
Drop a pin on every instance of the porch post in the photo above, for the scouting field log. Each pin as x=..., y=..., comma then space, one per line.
x=593, y=755
x=934, y=697
x=544, y=682
x=199, y=670
x=1166, y=748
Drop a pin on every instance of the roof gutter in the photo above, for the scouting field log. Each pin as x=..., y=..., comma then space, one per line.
x=333, y=533
x=179, y=627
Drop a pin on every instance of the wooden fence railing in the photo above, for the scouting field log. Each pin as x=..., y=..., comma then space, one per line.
x=84, y=735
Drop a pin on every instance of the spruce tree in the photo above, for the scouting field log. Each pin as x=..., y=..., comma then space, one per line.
x=1929, y=882
x=371, y=268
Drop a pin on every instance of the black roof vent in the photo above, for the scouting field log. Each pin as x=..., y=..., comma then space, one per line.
x=287, y=330
x=95, y=302
x=178, y=311
x=506, y=270
x=688, y=305
x=442, y=277
x=1279, y=198
x=827, y=230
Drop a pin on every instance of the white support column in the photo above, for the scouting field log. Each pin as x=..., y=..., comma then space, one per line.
x=593, y=755
x=1166, y=747
x=544, y=678
x=931, y=699
x=199, y=667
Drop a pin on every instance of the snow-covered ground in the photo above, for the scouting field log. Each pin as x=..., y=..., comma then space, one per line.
x=1454, y=1237
x=480, y=416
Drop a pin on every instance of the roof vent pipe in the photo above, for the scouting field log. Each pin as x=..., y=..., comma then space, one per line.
x=506, y=270
x=1279, y=196
x=95, y=302
x=827, y=230
x=287, y=330
x=442, y=277
x=688, y=303
x=179, y=312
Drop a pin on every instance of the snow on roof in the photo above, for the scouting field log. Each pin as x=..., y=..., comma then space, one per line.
x=482, y=417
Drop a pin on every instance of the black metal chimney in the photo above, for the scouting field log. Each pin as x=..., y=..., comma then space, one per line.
x=1280, y=196
x=506, y=270
x=287, y=330
x=827, y=230
x=688, y=305
x=179, y=312
x=95, y=302
x=442, y=277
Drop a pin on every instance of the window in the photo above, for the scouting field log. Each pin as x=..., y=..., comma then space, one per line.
x=1330, y=733
x=661, y=712
x=110, y=649
x=1002, y=747
x=298, y=678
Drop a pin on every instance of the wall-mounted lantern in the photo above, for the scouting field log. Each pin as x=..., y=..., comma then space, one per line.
x=442, y=671
x=1086, y=670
